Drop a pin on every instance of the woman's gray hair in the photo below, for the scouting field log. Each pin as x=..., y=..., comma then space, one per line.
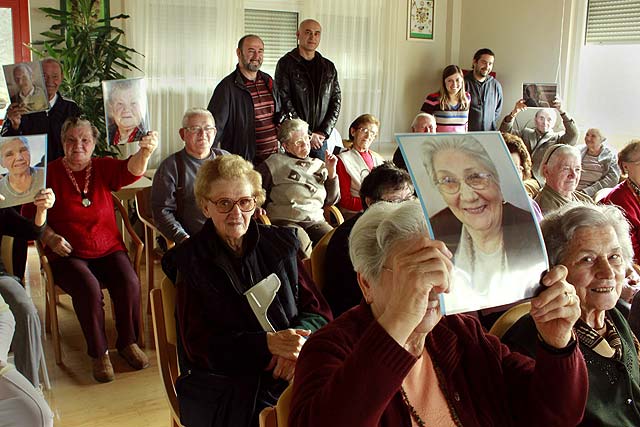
x=466, y=144
x=553, y=153
x=288, y=127
x=559, y=227
x=379, y=227
x=6, y=140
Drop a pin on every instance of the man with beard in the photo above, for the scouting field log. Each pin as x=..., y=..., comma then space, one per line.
x=173, y=202
x=245, y=106
x=486, y=93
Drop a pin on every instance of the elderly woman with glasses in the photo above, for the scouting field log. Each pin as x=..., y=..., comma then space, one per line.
x=495, y=243
x=592, y=243
x=298, y=186
x=356, y=163
x=231, y=367
x=396, y=361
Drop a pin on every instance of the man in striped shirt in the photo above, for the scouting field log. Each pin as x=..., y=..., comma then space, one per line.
x=245, y=106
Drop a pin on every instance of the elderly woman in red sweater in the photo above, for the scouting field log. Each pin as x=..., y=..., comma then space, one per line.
x=396, y=361
x=84, y=244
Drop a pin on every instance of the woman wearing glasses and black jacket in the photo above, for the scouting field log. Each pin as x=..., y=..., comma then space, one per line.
x=232, y=366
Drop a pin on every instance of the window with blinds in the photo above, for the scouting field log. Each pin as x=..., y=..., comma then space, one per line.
x=613, y=22
x=277, y=29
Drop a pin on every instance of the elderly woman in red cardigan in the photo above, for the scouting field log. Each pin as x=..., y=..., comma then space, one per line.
x=84, y=244
x=394, y=360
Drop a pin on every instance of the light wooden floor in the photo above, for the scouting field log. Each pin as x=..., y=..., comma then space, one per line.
x=134, y=399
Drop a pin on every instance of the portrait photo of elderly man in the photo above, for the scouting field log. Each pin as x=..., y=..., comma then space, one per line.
x=125, y=106
x=25, y=83
x=477, y=206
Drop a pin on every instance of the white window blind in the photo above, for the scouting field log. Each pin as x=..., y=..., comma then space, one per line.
x=613, y=22
x=277, y=29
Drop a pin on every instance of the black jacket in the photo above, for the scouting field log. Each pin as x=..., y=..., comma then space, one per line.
x=298, y=96
x=49, y=122
x=222, y=348
x=232, y=109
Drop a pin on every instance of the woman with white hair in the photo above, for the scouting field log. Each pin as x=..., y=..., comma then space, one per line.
x=408, y=365
x=592, y=242
x=599, y=164
x=22, y=182
x=299, y=186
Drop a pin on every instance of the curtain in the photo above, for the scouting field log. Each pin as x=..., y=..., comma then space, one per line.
x=189, y=46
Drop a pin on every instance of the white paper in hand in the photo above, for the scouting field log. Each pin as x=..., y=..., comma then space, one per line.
x=260, y=297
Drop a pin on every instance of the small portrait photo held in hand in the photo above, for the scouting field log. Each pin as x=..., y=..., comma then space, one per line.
x=26, y=87
x=23, y=177
x=125, y=106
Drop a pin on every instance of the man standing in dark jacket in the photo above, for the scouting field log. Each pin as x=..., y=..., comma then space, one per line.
x=486, y=93
x=308, y=86
x=245, y=106
x=49, y=122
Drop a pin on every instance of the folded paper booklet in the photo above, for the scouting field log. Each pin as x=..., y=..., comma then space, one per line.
x=474, y=201
x=260, y=297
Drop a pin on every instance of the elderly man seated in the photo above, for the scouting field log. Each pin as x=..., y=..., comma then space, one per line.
x=542, y=136
x=561, y=168
x=298, y=186
x=422, y=123
x=173, y=202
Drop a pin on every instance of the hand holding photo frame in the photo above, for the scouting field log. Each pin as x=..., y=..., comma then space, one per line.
x=125, y=107
x=22, y=177
x=475, y=202
x=26, y=86
x=539, y=95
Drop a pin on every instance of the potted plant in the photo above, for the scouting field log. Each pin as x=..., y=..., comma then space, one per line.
x=89, y=48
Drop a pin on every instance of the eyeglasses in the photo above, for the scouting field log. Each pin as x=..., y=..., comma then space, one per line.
x=224, y=205
x=477, y=181
x=367, y=131
x=198, y=129
x=399, y=199
x=300, y=142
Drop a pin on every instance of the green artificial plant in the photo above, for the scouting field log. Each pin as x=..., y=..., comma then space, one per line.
x=89, y=48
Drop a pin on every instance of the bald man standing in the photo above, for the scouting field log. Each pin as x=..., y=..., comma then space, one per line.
x=308, y=86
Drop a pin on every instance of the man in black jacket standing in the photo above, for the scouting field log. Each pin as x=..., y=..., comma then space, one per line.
x=308, y=86
x=49, y=122
x=245, y=106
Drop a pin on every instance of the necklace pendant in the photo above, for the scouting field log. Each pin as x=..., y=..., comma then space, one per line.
x=86, y=202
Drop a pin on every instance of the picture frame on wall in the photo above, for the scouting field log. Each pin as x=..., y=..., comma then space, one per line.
x=420, y=19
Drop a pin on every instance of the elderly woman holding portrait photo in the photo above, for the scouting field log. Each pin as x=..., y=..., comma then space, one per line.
x=84, y=244
x=592, y=242
x=126, y=110
x=493, y=241
x=22, y=182
x=394, y=360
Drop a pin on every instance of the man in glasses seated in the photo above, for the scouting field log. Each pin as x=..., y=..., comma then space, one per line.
x=561, y=169
x=298, y=186
x=175, y=211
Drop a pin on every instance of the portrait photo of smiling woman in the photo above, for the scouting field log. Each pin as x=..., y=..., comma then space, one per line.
x=482, y=214
x=125, y=106
x=21, y=180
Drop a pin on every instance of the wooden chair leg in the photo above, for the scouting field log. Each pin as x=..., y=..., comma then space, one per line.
x=53, y=319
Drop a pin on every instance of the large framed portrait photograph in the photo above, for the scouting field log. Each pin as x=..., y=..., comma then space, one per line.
x=475, y=202
x=539, y=95
x=125, y=107
x=23, y=162
x=25, y=84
